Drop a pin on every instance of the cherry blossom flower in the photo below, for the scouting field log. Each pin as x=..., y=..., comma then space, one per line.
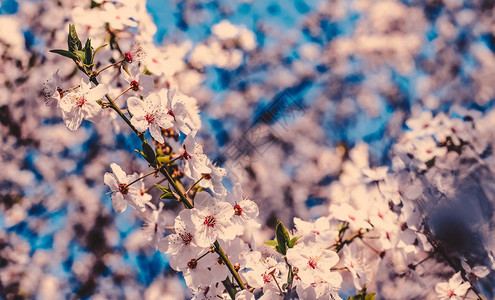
x=355, y=264
x=245, y=210
x=455, y=289
x=181, y=244
x=475, y=272
x=136, y=53
x=149, y=114
x=184, y=111
x=318, y=231
x=212, y=220
x=195, y=162
x=263, y=272
x=154, y=225
x=123, y=193
x=138, y=82
x=81, y=104
x=118, y=17
x=313, y=263
x=52, y=89
x=355, y=217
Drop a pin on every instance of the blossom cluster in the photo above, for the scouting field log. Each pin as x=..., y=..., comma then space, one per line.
x=385, y=229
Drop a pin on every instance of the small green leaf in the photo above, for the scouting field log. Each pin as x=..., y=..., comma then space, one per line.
x=149, y=154
x=271, y=243
x=64, y=53
x=140, y=152
x=293, y=241
x=95, y=4
x=80, y=55
x=167, y=192
x=370, y=296
x=88, y=53
x=73, y=40
x=162, y=188
x=282, y=238
x=96, y=51
x=163, y=159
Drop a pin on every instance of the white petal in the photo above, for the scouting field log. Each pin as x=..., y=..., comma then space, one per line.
x=97, y=93
x=153, y=103
x=111, y=181
x=136, y=106
x=156, y=133
x=117, y=170
x=118, y=202
x=73, y=119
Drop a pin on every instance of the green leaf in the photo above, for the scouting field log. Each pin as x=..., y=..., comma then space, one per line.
x=167, y=192
x=96, y=51
x=73, y=40
x=149, y=154
x=293, y=241
x=162, y=188
x=271, y=243
x=140, y=152
x=282, y=238
x=370, y=296
x=64, y=53
x=163, y=159
x=80, y=55
x=88, y=52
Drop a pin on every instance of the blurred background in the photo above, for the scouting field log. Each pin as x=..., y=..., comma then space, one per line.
x=285, y=90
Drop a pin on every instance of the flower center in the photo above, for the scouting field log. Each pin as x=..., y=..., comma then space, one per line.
x=81, y=101
x=313, y=262
x=210, y=221
x=237, y=210
x=266, y=278
x=128, y=57
x=150, y=118
x=192, y=264
x=186, y=155
x=186, y=238
x=135, y=85
x=123, y=188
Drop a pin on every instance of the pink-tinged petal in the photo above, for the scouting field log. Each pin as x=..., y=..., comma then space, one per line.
x=85, y=84
x=156, y=133
x=119, y=173
x=111, y=181
x=91, y=109
x=203, y=200
x=456, y=280
x=97, y=92
x=169, y=244
x=73, y=119
x=134, y=71
x=481, y=271
x=146, y=83
x=140, y=123
x=189, y=144
x=136, y=107
x=67, y=102
x=153, y=103
x=118, y=202
x=165, y=121
x=170, y=97
x=249, y=208
x=224, y=210
x=126, y=76
x=204, y=237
